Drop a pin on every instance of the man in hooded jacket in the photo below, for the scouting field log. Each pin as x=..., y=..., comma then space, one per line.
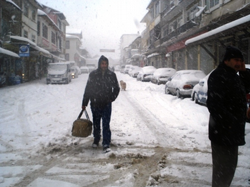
x=102, y=89
x=228, y=85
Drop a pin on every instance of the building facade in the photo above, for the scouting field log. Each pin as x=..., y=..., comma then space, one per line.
x=171, y=25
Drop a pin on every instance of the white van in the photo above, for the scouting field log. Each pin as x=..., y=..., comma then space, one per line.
x=59, y=72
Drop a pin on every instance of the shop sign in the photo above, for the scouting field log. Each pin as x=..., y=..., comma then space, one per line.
x=24, y=50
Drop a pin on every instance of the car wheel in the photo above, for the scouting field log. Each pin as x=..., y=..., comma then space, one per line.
x=178, y=94
x=67, y=81
x=166, y=90
x=193, y=97
x=196, y=98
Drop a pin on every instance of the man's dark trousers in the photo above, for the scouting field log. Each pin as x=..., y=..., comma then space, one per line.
x=225, y=160
x=105, y=115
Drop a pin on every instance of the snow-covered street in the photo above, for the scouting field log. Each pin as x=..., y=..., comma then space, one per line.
x=157, y=139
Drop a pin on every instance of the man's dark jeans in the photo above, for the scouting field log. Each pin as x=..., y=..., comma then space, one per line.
x=105, y=115
x=225, y=160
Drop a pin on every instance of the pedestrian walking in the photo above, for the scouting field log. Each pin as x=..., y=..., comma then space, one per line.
x=101, y=90
x=228, y=85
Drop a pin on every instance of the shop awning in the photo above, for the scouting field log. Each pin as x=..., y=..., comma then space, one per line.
x=9, y=53
x=23, y=39
x=33, y=44
x=219, y=30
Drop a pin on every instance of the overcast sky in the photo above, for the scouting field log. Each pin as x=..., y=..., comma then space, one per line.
x=102, y=22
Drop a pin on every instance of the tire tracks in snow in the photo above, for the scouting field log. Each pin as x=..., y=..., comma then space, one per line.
x=152, y=122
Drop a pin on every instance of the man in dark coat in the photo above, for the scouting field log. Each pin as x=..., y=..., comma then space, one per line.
x=228, y=85
x=102, y=89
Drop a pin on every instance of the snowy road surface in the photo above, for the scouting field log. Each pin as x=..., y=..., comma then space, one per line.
x=157, y=139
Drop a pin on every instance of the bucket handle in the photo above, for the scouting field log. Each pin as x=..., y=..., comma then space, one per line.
x=86, y=114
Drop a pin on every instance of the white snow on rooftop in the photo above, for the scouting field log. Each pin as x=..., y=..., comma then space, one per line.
x=72, y=36
x=73, y=31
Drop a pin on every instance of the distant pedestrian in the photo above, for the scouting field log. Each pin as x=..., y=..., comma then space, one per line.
x=227, y=105
x=102, y=89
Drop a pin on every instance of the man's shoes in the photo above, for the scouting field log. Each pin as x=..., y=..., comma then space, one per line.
x=106, y=149
x=95, y=144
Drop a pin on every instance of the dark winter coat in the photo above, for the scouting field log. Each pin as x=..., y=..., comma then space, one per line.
x=226, y=103
x=101, y=89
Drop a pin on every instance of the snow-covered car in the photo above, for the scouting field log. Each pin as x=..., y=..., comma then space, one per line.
x=199, y=92
x=133, y=72
x=91, y=67
x=182, y=82
x=84, y=69
x=161, y=75
x=146, y=73
x=127, y=68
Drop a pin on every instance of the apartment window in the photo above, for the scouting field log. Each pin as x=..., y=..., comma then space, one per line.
x=67, y=56
x=33, y=15
x=59, y=24
x=53, y=37
x=165, y=31
x=33, y=38
x=25, y=34
x=67, y=44
x=38, y=28
x=26, y=9
x=45, y=31
x=59, y=43
x=157, y=9
x=212, y=3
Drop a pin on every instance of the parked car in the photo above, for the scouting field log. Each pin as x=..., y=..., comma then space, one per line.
x=91, y=67
x=127, y=68
x=84, y=69
x=122, y=68
x=133, y=73
x=199, y=92
x=161, y=75
x=182, y=82
x=146, y=73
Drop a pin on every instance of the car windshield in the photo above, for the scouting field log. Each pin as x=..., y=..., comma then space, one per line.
x=57, y=67
x=193, y=75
